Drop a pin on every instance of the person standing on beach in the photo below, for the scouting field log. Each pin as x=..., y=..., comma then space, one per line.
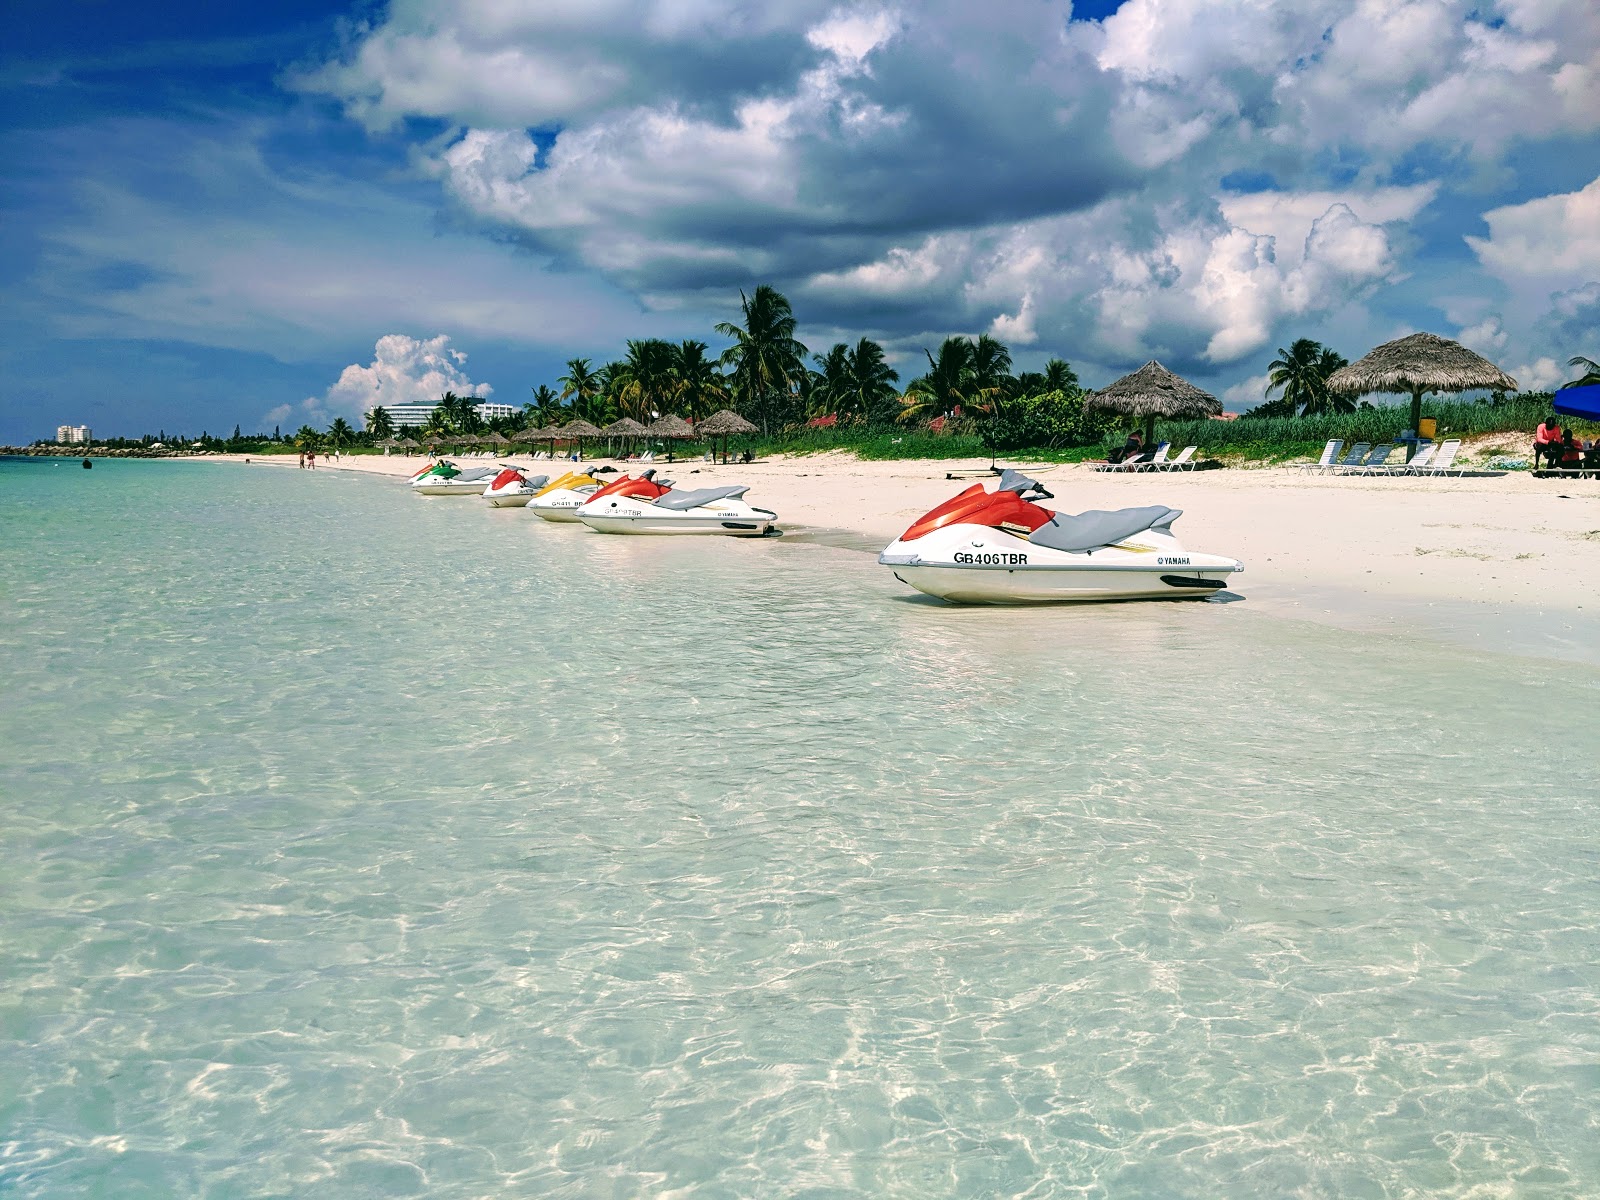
x=302, y=460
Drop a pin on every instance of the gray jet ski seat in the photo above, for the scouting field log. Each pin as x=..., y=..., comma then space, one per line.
x=536, y=481
x=1096, y=528
x=683, y=501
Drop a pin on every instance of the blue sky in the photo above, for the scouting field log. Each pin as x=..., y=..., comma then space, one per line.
x=213, y=215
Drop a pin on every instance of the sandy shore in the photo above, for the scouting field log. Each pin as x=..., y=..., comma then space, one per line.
x=1508, y=563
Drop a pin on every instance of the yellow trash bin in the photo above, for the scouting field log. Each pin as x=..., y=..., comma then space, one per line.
x=1427, y=427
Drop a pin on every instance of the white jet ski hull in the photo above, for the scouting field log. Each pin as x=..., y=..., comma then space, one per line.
x=974, y=564
x=450, y=487
x=561, y=505
x=734, y=519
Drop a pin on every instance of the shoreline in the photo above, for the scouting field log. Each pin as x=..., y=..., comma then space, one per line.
x=1508, y=564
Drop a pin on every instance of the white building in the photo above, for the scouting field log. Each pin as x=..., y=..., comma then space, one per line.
x=415, y=416
x=74, y=435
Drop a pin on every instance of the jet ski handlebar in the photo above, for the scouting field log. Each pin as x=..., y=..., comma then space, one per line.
x=1026, y=488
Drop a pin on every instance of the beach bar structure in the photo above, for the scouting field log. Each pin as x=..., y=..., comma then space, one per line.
x=1153, y=391
x=1417, y=364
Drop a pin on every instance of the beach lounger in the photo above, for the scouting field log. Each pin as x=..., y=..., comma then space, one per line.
x=1376, y=460
x=1419, y=461
x=1330, y=454
x=1357, y=455
x=1184, y=461
x=1157, y=463
x=1445, y=460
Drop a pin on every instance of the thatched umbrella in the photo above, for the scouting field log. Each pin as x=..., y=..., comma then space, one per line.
x=577, y=430
x=494, y=439
x=1422, y=362
x=724, y=424
x=671, y=428
x=408, y=444
x=1153, y=391
x=624, y=427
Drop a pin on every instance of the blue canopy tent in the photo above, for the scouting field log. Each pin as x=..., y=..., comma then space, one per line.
x=1579, y=402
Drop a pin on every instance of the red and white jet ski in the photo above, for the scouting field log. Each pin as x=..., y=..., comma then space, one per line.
x=512, y=489
x=1000, y=547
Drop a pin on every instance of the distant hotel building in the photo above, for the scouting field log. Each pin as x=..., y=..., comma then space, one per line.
x=73, y=435
x=415, y=416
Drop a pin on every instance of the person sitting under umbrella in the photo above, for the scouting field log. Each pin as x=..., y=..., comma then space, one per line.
x=1131, y=449
x=1546, y=443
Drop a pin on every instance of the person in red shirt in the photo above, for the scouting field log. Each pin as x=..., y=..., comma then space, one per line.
x=1546, y=443
x=1571, y=451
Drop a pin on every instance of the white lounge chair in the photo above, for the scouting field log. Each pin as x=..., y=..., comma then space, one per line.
x=1156, y=463
x=1419, y=461
x=1445, y=460
x=1357, y=455
x=1184, y=461
x=1376, y=460
x=1330, y=453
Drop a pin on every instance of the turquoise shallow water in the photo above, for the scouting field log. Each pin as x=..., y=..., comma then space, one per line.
x=364, y=845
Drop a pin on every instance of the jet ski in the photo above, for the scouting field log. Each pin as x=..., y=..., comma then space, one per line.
x=560, y=497
x=512, y=489
x=444, y=478
x=1001, y=547
x=716, y=510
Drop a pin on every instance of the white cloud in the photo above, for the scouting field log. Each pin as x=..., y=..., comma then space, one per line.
x=404, y=370
x=1247, y=394
x=1541, y=375
x=1553, y=239
x=1488, y=337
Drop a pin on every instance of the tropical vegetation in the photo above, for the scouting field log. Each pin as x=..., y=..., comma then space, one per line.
x=968, y=399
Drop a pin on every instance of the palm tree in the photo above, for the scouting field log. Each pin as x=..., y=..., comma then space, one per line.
x=946, y=385
x=438, y=424
x=308, y=438
x=829, y=386
x=698, y=387
x=379, y=424
x=1329, y=361
x=1301, y=374
x=1590, y=376
x=1057, y=376
x=545, y=408
x=340, y=433
x=872, y=393
x=580, y=385
x=991, y=372
x=644, y=382
x=768, y=362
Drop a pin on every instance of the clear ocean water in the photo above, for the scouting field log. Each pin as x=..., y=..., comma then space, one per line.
x=362, y=845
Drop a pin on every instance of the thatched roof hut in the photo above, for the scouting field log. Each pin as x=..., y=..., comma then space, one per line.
x=523, y=435
x=1422, y=362
x=580, y=429
x=723, y=423
x=494, y=439
x=671, y=426
x=625, y=427
x=1153, y=391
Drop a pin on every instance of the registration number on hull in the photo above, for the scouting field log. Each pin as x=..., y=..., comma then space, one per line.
x=991, y=558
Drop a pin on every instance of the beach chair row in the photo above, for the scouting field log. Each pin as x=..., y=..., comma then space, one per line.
x=1366, y=459
x=1160, y=462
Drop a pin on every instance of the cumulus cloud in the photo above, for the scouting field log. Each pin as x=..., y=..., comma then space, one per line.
x=404, y=370
x=1552, y=237
x=908, y=170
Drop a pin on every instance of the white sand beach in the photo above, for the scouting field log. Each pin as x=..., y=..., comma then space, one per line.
x=1510, y=562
